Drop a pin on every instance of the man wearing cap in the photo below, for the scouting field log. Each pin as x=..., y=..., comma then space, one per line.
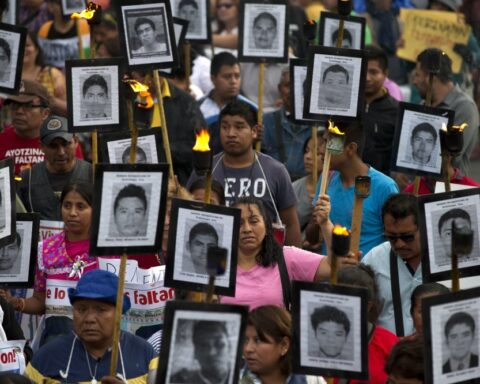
x=22, y=142
x=40, y=186
x=84, y=355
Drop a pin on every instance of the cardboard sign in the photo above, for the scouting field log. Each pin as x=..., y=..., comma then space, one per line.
x=424, y=29
x=12, y=359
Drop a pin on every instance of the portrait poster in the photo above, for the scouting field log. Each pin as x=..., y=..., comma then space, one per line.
x=196, y=12
x=353, y=33
x=180, y=30
x=416, y=146
x=115, y=147
x=263, y=31
x=298, y=86
x=18, y=259
x=194, y=227
x=12, y=48
x=10, y=14
x=130, y=200
x=335, y=79
x=437, y=212
x=7, y=202
x=71, y=6
x=452, y=343
x=191, y=331
x=94, y=94
x=146, y=33
x=322, y=346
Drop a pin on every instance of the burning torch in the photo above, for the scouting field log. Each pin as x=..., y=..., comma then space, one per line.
x=202, y=160
x=451, y=141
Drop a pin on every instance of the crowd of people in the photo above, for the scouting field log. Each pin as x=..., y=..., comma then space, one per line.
x=286, y=223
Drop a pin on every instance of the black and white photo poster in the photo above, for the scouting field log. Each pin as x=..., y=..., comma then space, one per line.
x=196, y=13
x=12, y=46
x=11, y=11
x=353, y=33
x=119, y=151
x=7, y=202
x=71, y=6
x=298, y=78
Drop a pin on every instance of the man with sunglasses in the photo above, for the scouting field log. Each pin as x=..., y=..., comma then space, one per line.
x=397, y=262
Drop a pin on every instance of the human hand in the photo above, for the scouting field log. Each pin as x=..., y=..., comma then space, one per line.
x=112, y=380
x=321, y=212
x=5, y=293
x=259, y=128
x=350, y=260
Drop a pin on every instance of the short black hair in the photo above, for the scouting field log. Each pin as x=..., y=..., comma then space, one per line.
x=6, y=47
x=374, y=52
x=18, y=239
x=265, y=15
x=401, y=206
x=406, y=359
x=426, y=289
x=131, y=190
x=126, y=153
x=143, y=20
x=330, y=313
x=346, y=36
x=455, y=213
x=184, y=3
x=217, y=187
x=425, y=127
x=202, y=229
x=336, y=68
x=445, y=74
x=206, y=327
x=95, y=80
x=353, y=134
x=85, y=190
x=221, y=59
x=240, y=108
x=459, y=318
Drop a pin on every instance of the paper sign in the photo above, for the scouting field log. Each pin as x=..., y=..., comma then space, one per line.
x=12, y=359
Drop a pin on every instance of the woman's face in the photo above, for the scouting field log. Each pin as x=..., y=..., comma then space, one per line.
x=76, y=214
x=129, y=216
x=252, y=228
x=417, y=312
x=31, y=51
x=308, y=158
x=226, y=10
x=263, y=357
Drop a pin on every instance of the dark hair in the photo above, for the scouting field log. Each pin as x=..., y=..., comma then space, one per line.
x=202, y=229
x=18, y=239
x=401, y=206
x=335, y=69
x=445, y=74
x=353, y=134
x=143, y=20
x=346, y=36
x=221, y=59
x=362, y=275
x=83, y=189
x=240, y=108
x=271, y=251
x=14, y=378
x=330, y=313
x=39, y=60
x=426, y=289
x=204, y=327
x=184, y=3
x=305, y=144
x=265, y=15
x=459, y=318
x=424, y=127
x=406, y=359
x=131, y=190
x=126, y=153
x=6, y=48
x=112, y=46
x=455, y=213
x=94, y=80
x=217, y=187
x=374, y=52
x=274, y=322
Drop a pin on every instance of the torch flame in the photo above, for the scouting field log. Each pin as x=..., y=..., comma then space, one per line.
x=444, y=127
x=332, y=128
x=340, y=231
x=136, y=85
x=144, y=98
x=201, y=144
x=87, y=13
x=460, y=128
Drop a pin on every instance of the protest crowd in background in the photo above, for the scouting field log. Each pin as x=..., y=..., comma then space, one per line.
x=70, y=338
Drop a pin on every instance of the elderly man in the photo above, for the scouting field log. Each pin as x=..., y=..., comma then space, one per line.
x=85, y=354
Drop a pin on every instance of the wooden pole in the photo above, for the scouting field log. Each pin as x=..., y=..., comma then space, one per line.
x=455, y=274
x=261, y=80
x=208, y=187
x=133, y=132
x=118, y=314
x=326, y=168
x=210, y=289
x=166, y=141
x=446, y=177
x=314, y=156
x=356, y=224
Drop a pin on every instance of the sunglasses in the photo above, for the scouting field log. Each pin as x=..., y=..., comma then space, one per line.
x=405, y=237
x=226, y=6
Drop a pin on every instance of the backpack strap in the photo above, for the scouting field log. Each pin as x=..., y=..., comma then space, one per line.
x=285, y=279
x=397, y=301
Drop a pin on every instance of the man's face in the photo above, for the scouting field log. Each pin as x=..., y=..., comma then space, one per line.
x=212, y=350
x=423, y=144
x=336, y=83
x=227, y=81
x=27, y=117
x=8, y=255
x=459, y=341
x=375, y=78
x=129, y=216
x=190, y=13
x=264, y=32
x=146, y=34
x=95, y=100
x=420, y=80
x=331, y=338
x=446, y=231
x=198, y=247
x=93, y=321
x=407, y=248
x=60, y=155
x=236, y=135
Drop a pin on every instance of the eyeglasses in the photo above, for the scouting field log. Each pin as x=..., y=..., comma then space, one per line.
x=405, y=237
x=226, y=6
x=15, y=106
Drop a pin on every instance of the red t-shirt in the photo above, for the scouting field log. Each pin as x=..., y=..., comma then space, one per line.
x=25, y=152
x=457, y=178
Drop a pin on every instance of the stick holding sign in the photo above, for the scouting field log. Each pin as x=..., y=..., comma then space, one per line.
x=362, y=190
x=335, y=143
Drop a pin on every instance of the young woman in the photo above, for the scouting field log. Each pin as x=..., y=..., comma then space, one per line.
x=226, y=35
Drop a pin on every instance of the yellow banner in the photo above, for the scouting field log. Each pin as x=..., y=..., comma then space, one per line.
x=425, y=29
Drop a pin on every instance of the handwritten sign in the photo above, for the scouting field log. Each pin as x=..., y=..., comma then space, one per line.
x=424, y=29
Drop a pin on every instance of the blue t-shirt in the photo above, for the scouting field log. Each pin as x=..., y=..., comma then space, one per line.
x=341, y=201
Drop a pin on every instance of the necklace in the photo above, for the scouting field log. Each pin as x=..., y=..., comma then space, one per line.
x=94, y=380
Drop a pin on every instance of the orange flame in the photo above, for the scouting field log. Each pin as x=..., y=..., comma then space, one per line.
x=87, y=13
x=201, y=144
x=340, y=231
x=460, y=127
x=332, y=128
x=144, y=98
